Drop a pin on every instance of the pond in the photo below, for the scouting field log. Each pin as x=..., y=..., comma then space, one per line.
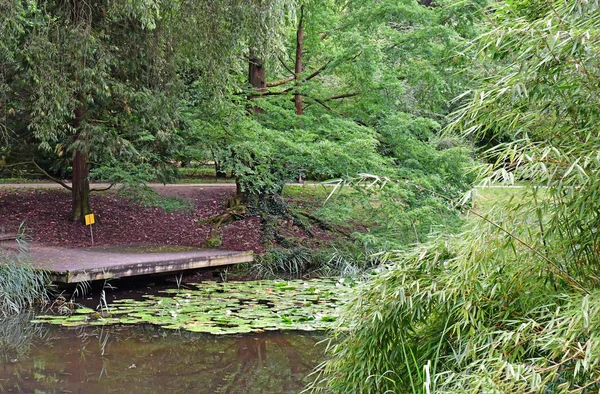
x=233, y=337
x=146, y=358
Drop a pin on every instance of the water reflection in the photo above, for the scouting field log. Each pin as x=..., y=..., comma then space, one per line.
x=149, y=359
x=17, y=335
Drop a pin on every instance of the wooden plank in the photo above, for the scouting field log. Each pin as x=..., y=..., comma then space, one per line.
x=79, y=265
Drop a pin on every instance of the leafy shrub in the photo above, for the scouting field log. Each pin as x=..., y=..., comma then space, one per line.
x=512, y=305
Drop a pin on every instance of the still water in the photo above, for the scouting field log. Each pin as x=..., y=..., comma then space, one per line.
x=147, y=359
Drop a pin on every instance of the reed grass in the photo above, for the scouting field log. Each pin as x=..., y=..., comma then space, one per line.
x=21, y=286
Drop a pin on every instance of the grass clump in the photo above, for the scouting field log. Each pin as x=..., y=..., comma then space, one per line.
x=21, y=286
x=296, y=262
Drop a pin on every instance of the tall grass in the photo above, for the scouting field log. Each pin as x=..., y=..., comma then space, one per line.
x=21, y=286
x=295, y=262
x=475, y=313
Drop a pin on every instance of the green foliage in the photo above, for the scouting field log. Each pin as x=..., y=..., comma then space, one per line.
x=269, y=149
x=107, y=79
x=396, y=212
x=510, y=305
x=363, y=102
x=544, y=100
x=467, y=315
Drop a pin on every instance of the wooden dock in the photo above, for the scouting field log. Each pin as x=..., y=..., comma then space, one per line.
x=87, y=264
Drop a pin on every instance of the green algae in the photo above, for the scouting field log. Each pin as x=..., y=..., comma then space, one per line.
x=225, y=308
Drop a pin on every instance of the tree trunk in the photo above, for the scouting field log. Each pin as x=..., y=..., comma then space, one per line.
x=81, y=187
x=219, y=172
x=257, y=76
x=298, y=66
x=80, y=191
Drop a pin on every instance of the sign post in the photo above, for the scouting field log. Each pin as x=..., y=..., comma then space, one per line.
x=89, y=221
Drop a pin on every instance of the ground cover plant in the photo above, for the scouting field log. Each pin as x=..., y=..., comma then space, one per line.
x=225, y=308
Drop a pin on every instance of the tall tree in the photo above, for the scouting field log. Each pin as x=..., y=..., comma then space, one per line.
x=73, y=82
x=100, y=82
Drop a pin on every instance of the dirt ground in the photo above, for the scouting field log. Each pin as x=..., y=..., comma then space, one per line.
x=43, y=215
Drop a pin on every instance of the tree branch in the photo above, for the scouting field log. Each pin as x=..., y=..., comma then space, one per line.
x=269, y=93
x=318, y=71
x=103, y=189
x=280, y=82
x=324, y=66
x=324, y=105
x=285, y=65
x=341, y=96
x=14, y=164
x=53, y=179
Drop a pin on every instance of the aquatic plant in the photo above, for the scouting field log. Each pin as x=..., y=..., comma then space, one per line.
x=225, y=308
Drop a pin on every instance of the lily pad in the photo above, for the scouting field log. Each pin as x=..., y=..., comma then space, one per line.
x=226, y=308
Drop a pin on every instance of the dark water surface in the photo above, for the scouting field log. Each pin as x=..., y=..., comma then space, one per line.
x=147, y=359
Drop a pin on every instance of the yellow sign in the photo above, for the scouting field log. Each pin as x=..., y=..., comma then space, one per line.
x=90, y=219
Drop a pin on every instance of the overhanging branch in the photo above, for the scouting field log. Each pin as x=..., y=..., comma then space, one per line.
x=103, y=189
x=53, y=179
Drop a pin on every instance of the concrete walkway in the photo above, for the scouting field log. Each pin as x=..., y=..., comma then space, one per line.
x=52, y=185
x=86, y=264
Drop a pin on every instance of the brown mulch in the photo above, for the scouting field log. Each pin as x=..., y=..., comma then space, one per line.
x=44, y=215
